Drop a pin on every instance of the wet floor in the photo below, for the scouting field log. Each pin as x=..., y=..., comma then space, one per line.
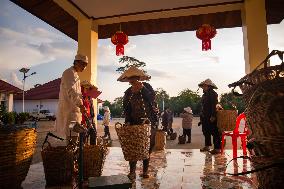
x=170, y=169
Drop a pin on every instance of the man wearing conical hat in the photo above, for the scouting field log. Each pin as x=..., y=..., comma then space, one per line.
x=70, y=105
x=139, y=103
x=208, y=116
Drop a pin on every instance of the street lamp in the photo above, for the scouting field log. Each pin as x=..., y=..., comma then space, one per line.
x=24, y=71
x=163, y=102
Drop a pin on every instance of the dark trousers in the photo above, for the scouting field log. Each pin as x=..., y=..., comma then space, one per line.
x=209, y=129
x=132, y=164
x=106, y=130
x=187, y=132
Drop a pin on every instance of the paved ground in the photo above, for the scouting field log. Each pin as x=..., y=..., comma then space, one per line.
x=169, y=169
x=197, y=140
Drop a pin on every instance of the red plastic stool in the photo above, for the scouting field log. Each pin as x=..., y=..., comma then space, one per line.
x=235, y=134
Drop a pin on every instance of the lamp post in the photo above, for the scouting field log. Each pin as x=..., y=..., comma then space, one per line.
x=163, y=102
x=25, y=71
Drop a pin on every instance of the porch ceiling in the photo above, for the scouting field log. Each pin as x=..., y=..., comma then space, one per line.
x=140, y=17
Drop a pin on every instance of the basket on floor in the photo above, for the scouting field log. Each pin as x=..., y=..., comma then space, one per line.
x=17, y=147
x=160, y=140
x=94, y=157
x=134, y=140
x=58, y=164
x=263, y=90
x=226, y=120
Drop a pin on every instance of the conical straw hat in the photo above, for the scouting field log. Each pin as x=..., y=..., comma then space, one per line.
x=209, y=83
x=133, y=72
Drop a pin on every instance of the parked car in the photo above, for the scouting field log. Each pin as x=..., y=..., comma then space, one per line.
x=42, y=114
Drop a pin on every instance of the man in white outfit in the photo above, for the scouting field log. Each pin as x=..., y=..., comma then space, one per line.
x=70, y=106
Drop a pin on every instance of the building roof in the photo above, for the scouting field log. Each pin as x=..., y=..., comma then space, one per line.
x=48, y=90
x=6, y=87
x=142, y=17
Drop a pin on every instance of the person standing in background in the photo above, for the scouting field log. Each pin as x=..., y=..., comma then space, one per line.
x=208, y=117
x=187, y=123
x=165, y=120
x=170, y=121
x=106, y=122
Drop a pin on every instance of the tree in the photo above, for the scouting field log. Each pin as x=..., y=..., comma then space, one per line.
x=161, y=95
x=130, y=61
x=230, y=101
x=117, y=107
x=184, y=99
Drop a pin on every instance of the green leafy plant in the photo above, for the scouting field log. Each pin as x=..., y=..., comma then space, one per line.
x=2, y=110
x=130, y=61
x=231, y=102
x=22, y=117
x=9, y=118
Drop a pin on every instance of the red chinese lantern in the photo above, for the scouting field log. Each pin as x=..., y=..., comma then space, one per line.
x=206, y=33
x=119, y=39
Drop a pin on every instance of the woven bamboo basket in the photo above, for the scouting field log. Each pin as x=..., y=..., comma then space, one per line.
x=160, y=140
x=263, y=90
x=16, y=151
x=94, y=158
x=134, y=140
x=58, y=163
x=226, y=120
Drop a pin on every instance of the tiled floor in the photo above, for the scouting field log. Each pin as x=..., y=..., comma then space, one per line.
x=170, y=169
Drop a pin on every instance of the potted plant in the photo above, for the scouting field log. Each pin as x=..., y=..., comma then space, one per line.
x=22, y=117
x=17, y=146
x=8, y=118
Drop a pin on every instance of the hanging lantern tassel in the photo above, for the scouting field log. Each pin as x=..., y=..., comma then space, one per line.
x=206, y=33
x=206, y=44
x=119, y=50
x=119, y=39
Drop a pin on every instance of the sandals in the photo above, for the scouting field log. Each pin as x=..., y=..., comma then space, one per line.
x=145, y=175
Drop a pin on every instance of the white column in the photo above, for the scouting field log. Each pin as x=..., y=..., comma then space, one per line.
x=10, y=102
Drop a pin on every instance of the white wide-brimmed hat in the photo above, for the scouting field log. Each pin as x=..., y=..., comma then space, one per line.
x=133, y=72
x=82, y=58
x=106, y=108
x=188, y=110
x=208, y=82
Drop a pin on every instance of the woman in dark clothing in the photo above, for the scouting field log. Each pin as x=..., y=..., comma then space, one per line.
x=139, y=104
x=208, y=116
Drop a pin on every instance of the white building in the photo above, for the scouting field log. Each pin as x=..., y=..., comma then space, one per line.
x=7, y=92
x=42, y=97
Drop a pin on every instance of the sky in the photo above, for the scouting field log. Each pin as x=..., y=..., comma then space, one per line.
x=174, y=60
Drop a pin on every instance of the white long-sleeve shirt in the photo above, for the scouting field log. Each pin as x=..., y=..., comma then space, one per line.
x=70, y=99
